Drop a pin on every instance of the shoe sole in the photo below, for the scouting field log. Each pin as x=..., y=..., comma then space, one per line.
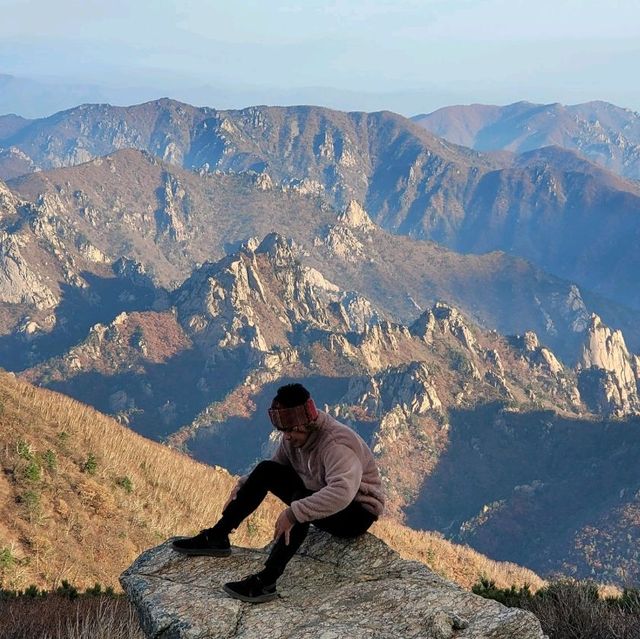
x=259, y=599
x=203, y=552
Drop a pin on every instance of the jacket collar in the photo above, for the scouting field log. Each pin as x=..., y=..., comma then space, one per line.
x=311, y=442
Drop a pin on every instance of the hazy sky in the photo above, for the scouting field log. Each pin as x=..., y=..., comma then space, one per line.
x=408, y=55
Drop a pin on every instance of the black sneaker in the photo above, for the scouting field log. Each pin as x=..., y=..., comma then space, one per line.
x=251, y=589
x=204, y=543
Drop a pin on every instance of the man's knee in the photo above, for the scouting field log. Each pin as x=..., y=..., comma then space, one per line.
x=273, y=475
x=266, y=467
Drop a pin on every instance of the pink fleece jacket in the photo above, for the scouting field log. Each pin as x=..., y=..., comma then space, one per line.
x=336, y=463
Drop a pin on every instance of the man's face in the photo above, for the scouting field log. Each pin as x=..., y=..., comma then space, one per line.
x=296, y=436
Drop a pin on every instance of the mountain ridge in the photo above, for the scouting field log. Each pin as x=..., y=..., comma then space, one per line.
x=409, y=181
x=169, y=219
x=607, y=134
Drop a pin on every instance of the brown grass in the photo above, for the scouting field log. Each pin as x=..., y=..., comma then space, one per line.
x=87, y=522
x=57, y=617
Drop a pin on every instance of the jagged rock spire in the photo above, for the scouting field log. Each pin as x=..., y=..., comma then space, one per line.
x=608, y=375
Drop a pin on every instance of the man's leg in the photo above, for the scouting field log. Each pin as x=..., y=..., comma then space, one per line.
x=352, y=521
x=267, y=476
x=281, y=552
x=262, y=586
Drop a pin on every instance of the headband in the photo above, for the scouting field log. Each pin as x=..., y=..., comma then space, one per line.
x=288, y=418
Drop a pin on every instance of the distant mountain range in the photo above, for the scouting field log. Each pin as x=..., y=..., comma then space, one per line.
x=603, y=133
x=552, y=207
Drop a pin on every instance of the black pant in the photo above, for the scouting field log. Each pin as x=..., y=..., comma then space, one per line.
x=285, y=483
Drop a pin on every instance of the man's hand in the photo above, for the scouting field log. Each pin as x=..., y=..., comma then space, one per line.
x=283, y=526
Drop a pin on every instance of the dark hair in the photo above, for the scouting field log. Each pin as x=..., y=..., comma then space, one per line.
x=291, y=395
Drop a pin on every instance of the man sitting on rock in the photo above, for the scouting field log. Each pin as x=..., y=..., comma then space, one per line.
x=322, y=470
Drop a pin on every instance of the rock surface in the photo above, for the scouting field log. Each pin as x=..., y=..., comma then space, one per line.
x=333, y=588
x=608, y=377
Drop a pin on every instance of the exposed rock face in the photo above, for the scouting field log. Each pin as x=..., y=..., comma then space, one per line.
x=409, y=387
x=449, y=320
x=262, y=297
x=8, y=200
x=536, y=354
x=18, y=283
x=169, y=216
x=356, y=217
x=333, y=588
x=608, y=381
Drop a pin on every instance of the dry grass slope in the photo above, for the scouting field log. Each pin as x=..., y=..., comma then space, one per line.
x=81, y=496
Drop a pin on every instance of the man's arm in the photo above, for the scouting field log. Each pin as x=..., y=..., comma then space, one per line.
x=343, y=473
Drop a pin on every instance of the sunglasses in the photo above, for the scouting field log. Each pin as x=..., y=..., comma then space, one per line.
x=295, y=419
x=293, y=429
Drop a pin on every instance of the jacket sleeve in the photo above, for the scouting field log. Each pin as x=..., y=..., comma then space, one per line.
x=343, y=473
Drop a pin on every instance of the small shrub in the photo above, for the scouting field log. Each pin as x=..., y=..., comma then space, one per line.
x=7, y=559
x=95, y=590
x=65, y=589
x=33, y=591
x=24, y=450
x=33, y=472
x=50, y=460
x=512, y=597
x=125, y=483
x=90, y=466
x=31, y=501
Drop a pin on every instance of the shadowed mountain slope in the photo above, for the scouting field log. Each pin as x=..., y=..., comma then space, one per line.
x=573, y=484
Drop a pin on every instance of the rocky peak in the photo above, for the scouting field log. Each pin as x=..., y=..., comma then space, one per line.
x=356, y=217
x=408, y=387
x=356, y=312
x=281, y=250
x=535, y=354
x=263, y=292
x=530, y=341
x=173, y=210
x=448, y=320
x=8, y=201
x=603, y=348
x=332, y=587
x=348, y=237
x=607, y=377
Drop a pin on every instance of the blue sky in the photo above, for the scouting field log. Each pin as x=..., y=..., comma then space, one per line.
x=407, y=55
